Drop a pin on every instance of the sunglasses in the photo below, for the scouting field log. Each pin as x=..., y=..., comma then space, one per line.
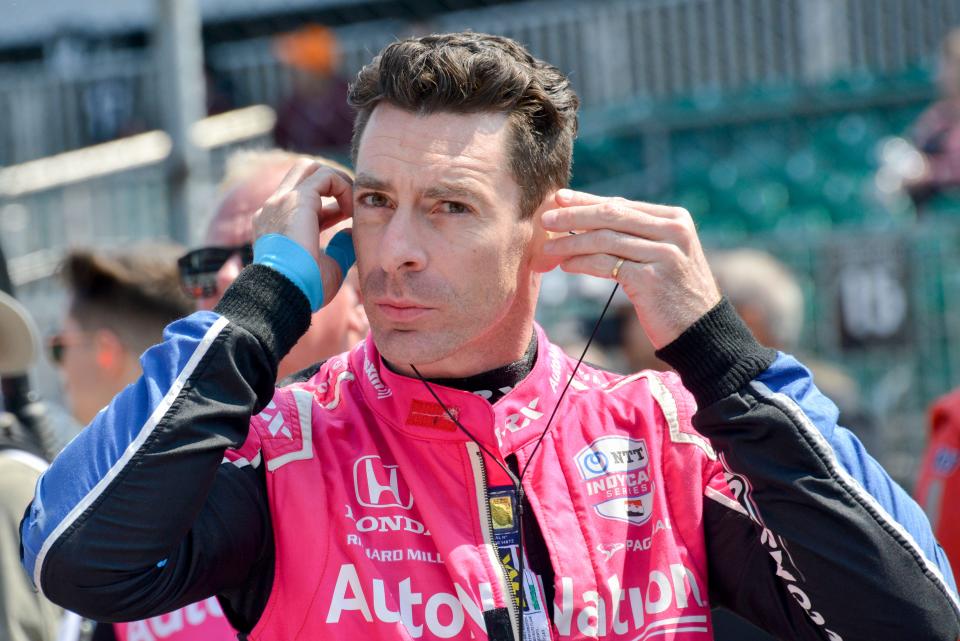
x=198, y=268
x=57, y=345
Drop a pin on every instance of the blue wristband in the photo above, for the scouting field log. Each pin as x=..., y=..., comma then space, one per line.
x=340, y=248
x=293, y=261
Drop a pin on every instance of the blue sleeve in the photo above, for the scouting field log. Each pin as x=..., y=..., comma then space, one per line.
x=788, y=378
x=142, y=513
x=101, y=452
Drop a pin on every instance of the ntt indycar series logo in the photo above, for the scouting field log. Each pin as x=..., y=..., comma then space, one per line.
x=614, y=471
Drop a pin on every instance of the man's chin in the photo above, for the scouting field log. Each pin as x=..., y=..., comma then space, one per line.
x=409, y=346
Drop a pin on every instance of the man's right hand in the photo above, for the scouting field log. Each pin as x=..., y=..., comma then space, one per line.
x=311, y=198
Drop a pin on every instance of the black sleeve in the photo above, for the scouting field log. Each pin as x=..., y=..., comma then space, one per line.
x=141, y=514
x=817, y=541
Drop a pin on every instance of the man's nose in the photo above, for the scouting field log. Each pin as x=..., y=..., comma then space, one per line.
x=402, y=244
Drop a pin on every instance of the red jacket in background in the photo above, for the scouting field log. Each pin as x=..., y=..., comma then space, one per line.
x=938, y=487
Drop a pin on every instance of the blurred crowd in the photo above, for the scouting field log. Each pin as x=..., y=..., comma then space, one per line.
x=120, y=300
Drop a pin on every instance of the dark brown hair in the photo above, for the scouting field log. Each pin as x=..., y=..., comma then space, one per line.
x=133, y=293
x=476, y=72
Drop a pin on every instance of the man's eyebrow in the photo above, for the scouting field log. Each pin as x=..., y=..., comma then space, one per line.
x=452, y=190
x=444, y=191
x=366, y=181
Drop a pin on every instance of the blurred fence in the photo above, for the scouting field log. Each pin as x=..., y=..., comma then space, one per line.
x=45, y=111
x=110, y=195
x=107, y=195
x=613, y=50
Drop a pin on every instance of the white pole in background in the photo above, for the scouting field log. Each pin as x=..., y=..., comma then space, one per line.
x=178, y=54
x=825, y=39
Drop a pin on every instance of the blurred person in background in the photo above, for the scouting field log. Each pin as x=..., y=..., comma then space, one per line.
x=315, y=118
x=24, y=614
x=119, y=303
x=936, y=134
x=638, y=352
x=206, y=272
x=620, y=344
x=768, y=297
x=938, y=486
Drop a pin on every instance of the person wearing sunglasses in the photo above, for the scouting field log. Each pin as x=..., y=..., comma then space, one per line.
x=204, y=274
x=251, y=176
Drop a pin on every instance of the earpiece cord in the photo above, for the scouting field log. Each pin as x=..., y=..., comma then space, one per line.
x=576, y=368
x=513, y=477
x=517, y=481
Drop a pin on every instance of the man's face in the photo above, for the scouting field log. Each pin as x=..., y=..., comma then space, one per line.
x=442, y=254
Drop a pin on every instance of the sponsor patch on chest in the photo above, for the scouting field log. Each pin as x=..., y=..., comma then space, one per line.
x=615, y=478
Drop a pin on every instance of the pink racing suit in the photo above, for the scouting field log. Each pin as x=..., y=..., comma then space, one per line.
x=368, y=463
x=346, y=504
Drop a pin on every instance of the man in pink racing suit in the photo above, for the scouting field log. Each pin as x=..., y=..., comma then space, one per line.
x=456, y=475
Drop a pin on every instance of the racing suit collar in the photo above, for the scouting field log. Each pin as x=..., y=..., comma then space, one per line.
x=515, y=420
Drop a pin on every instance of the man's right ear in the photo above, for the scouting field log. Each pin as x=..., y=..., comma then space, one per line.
x=108, y=351
x=540, y=262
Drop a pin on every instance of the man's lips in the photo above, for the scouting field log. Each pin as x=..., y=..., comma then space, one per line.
x=401, y=310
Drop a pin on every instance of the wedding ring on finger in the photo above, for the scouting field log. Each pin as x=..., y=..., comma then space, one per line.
x=616, y=269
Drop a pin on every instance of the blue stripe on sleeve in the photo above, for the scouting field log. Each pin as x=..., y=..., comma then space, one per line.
x=85, y=468
x=788, y=377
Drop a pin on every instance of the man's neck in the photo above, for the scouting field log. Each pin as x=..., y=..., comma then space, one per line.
x=489, y=379
x=493, y=384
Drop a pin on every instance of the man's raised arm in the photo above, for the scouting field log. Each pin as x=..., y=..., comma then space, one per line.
x=806, y=534
x=137, y=515
x=808, y=537
x=140, y=514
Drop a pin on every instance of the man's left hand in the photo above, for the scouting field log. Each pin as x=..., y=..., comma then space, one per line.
x=663, y=269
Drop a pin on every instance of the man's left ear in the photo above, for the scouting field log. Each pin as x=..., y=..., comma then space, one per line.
x=539, y=262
